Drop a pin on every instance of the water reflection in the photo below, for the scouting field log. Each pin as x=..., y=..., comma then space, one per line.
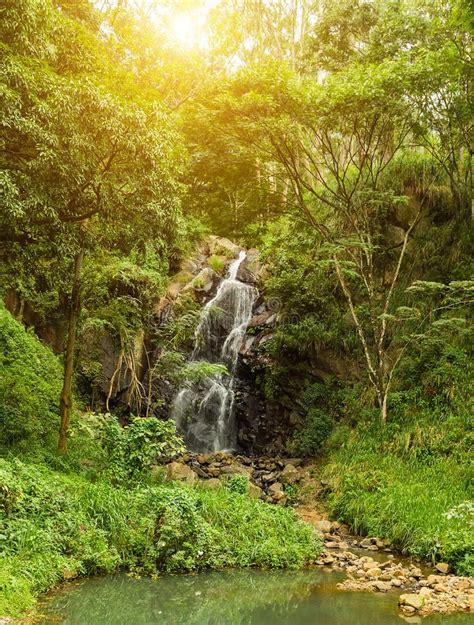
x=224, y=598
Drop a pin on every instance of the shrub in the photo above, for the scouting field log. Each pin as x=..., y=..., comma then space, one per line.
x=237, y=484
x=314, y=433
x=131, y=451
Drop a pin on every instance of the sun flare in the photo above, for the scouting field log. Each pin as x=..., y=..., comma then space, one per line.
x=185, y=29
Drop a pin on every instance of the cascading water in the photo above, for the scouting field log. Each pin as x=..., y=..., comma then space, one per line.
x=203, y=411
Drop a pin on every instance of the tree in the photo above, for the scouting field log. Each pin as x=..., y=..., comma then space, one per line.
x=82, y=167
x=336, y=142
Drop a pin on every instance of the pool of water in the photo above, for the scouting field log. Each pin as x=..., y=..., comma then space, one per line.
x=307, y=597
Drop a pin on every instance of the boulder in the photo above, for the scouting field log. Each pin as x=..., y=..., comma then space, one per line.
x=203, y=283
x=443, y=568
x=289, y=475
x=275, y=488
x=411, y=600
x=254, y=490
x=236, y=469
x=220, y=246
x=178, y=472
x=323, y=525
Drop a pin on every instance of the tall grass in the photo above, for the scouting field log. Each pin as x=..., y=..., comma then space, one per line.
x=421, y=501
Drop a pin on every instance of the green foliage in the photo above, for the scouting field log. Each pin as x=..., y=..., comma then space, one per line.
x=237, y=484
x=131, y=451
x=314, y=433
x=55, y=526
x=198, y=370
x=383, y=483
x=216, y=264
x=30, y=382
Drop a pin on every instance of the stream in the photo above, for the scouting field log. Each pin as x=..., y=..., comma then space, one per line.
x=238, y=597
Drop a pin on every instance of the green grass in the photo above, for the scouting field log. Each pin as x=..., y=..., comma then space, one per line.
x=391, y=484
x=55, y=526
x=216, y=263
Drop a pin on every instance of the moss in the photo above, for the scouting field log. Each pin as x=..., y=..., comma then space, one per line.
x=30, y=384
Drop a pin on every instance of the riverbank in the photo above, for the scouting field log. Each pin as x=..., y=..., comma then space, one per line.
x=56, y=527
x=410, y=484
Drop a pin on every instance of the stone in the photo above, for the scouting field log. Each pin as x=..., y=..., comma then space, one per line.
x=200, y=472
x=425, y=592
x=411, y=600
x=178, y=472
x=254, y=490
x=416, y=572
x=289, y=474
x=236, y=469
x=204, y=458
x=374, y=572
x=382, y=586
x=463, y=583
x=204, y=282
x=221, y=246
x=275, y=488
x=368, y=564
x=323, y=525
x=443, y=568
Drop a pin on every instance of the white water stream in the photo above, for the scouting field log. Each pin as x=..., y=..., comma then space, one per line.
x=203, y=411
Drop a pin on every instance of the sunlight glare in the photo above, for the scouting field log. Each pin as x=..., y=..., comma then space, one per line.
x=185, y=29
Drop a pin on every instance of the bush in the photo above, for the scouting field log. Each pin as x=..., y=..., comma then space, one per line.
x=30, y=384
x=131, y=451
x=237, y=484
x=55, y=526
x=314, y=433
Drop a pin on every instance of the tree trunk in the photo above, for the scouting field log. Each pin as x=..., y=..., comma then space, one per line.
x=65, y=403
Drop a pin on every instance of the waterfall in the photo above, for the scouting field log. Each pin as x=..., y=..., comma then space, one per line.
x=203, y=411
